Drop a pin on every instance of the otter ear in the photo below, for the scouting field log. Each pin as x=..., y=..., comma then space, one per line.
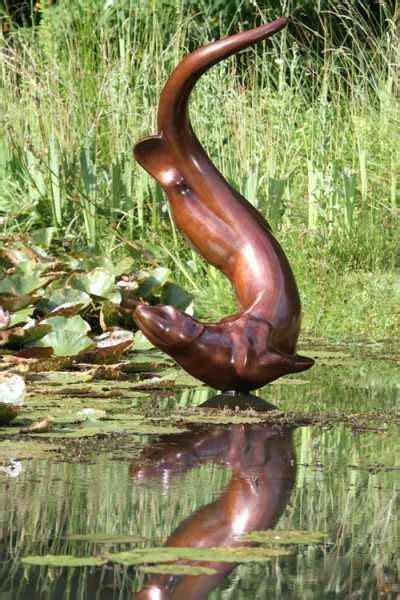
x=153, y=154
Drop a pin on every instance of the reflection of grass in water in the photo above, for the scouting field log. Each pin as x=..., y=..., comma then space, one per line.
x=339, y=490
x=355, y=507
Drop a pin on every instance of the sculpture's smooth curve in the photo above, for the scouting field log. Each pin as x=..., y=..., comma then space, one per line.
x=249, y=349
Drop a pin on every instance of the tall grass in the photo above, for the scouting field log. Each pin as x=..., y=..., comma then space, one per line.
x=310, y=139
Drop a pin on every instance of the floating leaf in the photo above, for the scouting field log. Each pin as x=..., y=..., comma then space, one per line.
x=22, y=283
x=21, y=316
x=26, y=449
x=68, y=337
x=18, y=337
x=103, y=538
x=16, y=303
x=176, y=296
x=168, y=569
x=109, y=346
x=43, y=236
x=33, y=352
x=52, y=560
x=282, y=536
x=18, y=254
x=152, y=282
x=140, y=342
x=99, y=283
x=222, y=554
x=65, y=296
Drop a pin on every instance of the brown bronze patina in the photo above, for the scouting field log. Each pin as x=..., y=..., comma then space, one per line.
x=249, y=349
x=263, y=463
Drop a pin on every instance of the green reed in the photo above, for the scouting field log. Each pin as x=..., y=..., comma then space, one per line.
x=310, y=138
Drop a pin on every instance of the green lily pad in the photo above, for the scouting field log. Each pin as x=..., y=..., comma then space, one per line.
x=222, y=554
x=64, y=296
x=168, y=569
x=103, y=538
x=18, y=337
x=68, y=337
x=43, y=236
x=21, y=316
x=51, y=560
x=282, y=536
x=152, y=282
x=22, y=283
x=109, y=346
x=160, y=555
x=140, y=342
x=176, y=296
x=99, y=283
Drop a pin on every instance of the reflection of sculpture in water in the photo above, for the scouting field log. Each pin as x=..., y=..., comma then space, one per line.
x=249, y=349
x=262, y=461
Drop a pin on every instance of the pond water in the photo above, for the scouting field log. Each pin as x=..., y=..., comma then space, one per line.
x=329, y=464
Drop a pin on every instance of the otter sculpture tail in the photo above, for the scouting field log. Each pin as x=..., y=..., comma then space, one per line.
x=249, y=349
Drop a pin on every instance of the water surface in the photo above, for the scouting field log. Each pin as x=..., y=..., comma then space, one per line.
x=206, y=484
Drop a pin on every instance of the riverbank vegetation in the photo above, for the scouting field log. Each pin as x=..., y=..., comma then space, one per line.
x=306, y=126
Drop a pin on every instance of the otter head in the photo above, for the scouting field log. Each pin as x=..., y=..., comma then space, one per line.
x=167, y=328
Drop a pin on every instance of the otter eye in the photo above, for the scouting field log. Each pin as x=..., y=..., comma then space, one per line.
x=182, y=187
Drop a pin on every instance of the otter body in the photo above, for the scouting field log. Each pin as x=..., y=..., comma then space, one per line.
x=256, y=346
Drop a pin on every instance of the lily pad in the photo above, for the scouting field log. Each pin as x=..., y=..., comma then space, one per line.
x=152, y=282
x=168, y=569
x=282, y=536
x=21, y=316
x=51, y=560
x=62, y=297
x=22, y=282
x=109, y=346
x=176, y=296
x=160, y=555
x=17, y=337
x=104, y=538
x=141, y=342
x=222, y=554
x=68, y=337
x=99, y=283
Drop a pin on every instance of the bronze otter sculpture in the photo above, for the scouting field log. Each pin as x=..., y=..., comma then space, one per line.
x=249, y=349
